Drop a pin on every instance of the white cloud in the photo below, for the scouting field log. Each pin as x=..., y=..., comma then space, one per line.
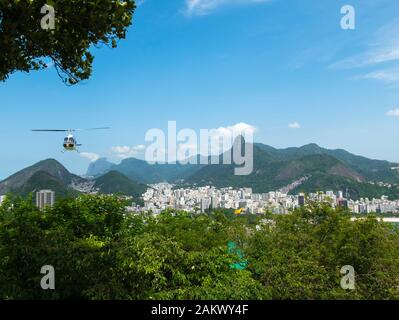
x=388, y=75
x=393, y=113
x=234, y=130
x=203, y=7
x=229, y=134
x=237, y=129
x=89, y=155
x=124, y=152
x=369, y=58
x=217, y=137
x=294, y=125
x=381, y=49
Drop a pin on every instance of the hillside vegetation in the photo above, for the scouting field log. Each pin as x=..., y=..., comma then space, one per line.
x=100, y=252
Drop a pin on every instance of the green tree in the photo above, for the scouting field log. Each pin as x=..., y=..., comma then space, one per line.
x=100, y=251
x=300, y=255
x=75, y=237
x=79, y=25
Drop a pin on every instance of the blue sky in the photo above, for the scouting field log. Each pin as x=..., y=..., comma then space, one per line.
x=285, y=67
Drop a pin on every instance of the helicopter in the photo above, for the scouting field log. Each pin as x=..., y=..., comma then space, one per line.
x=70, y=143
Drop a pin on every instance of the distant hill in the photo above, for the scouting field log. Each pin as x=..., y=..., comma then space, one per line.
x=54, y=170
x=272, y=172
x=142, y=171
x=323, y=169
x=370, y=169
x=308, y=168
x=99, y=167
x=116, y=183
x=316, y=169
x=43, y=180
x=50, y=174
x=354, y=189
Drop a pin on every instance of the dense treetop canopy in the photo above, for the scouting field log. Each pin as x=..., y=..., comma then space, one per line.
x=78, y=25
x=99, y=251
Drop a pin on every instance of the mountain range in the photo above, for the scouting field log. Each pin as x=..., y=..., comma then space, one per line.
x=308, y=168
x=140, y=170
x=46, y=174
x=315, y=167
x=50, y=174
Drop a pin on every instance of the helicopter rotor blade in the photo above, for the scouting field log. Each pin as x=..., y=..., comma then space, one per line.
x=52, y=130
x=89, y=129
x=69, y=130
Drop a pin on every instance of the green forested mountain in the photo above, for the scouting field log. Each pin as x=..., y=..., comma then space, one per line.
x=38, y=175
x=144, y=172
x=43, y=180
x=324, y=169
x=99, y=167
x=351, y=188
x=50, y=174
x=370, y=169
x=273, y=169
x=116, y=183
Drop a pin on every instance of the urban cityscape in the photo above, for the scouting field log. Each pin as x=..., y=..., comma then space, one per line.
x=194, y=157
x=164, y=196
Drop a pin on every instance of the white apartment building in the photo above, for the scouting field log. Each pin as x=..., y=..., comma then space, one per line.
x=45, y=198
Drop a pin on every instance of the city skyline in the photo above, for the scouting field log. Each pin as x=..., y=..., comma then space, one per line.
x=287, y=70
x=163, y=196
